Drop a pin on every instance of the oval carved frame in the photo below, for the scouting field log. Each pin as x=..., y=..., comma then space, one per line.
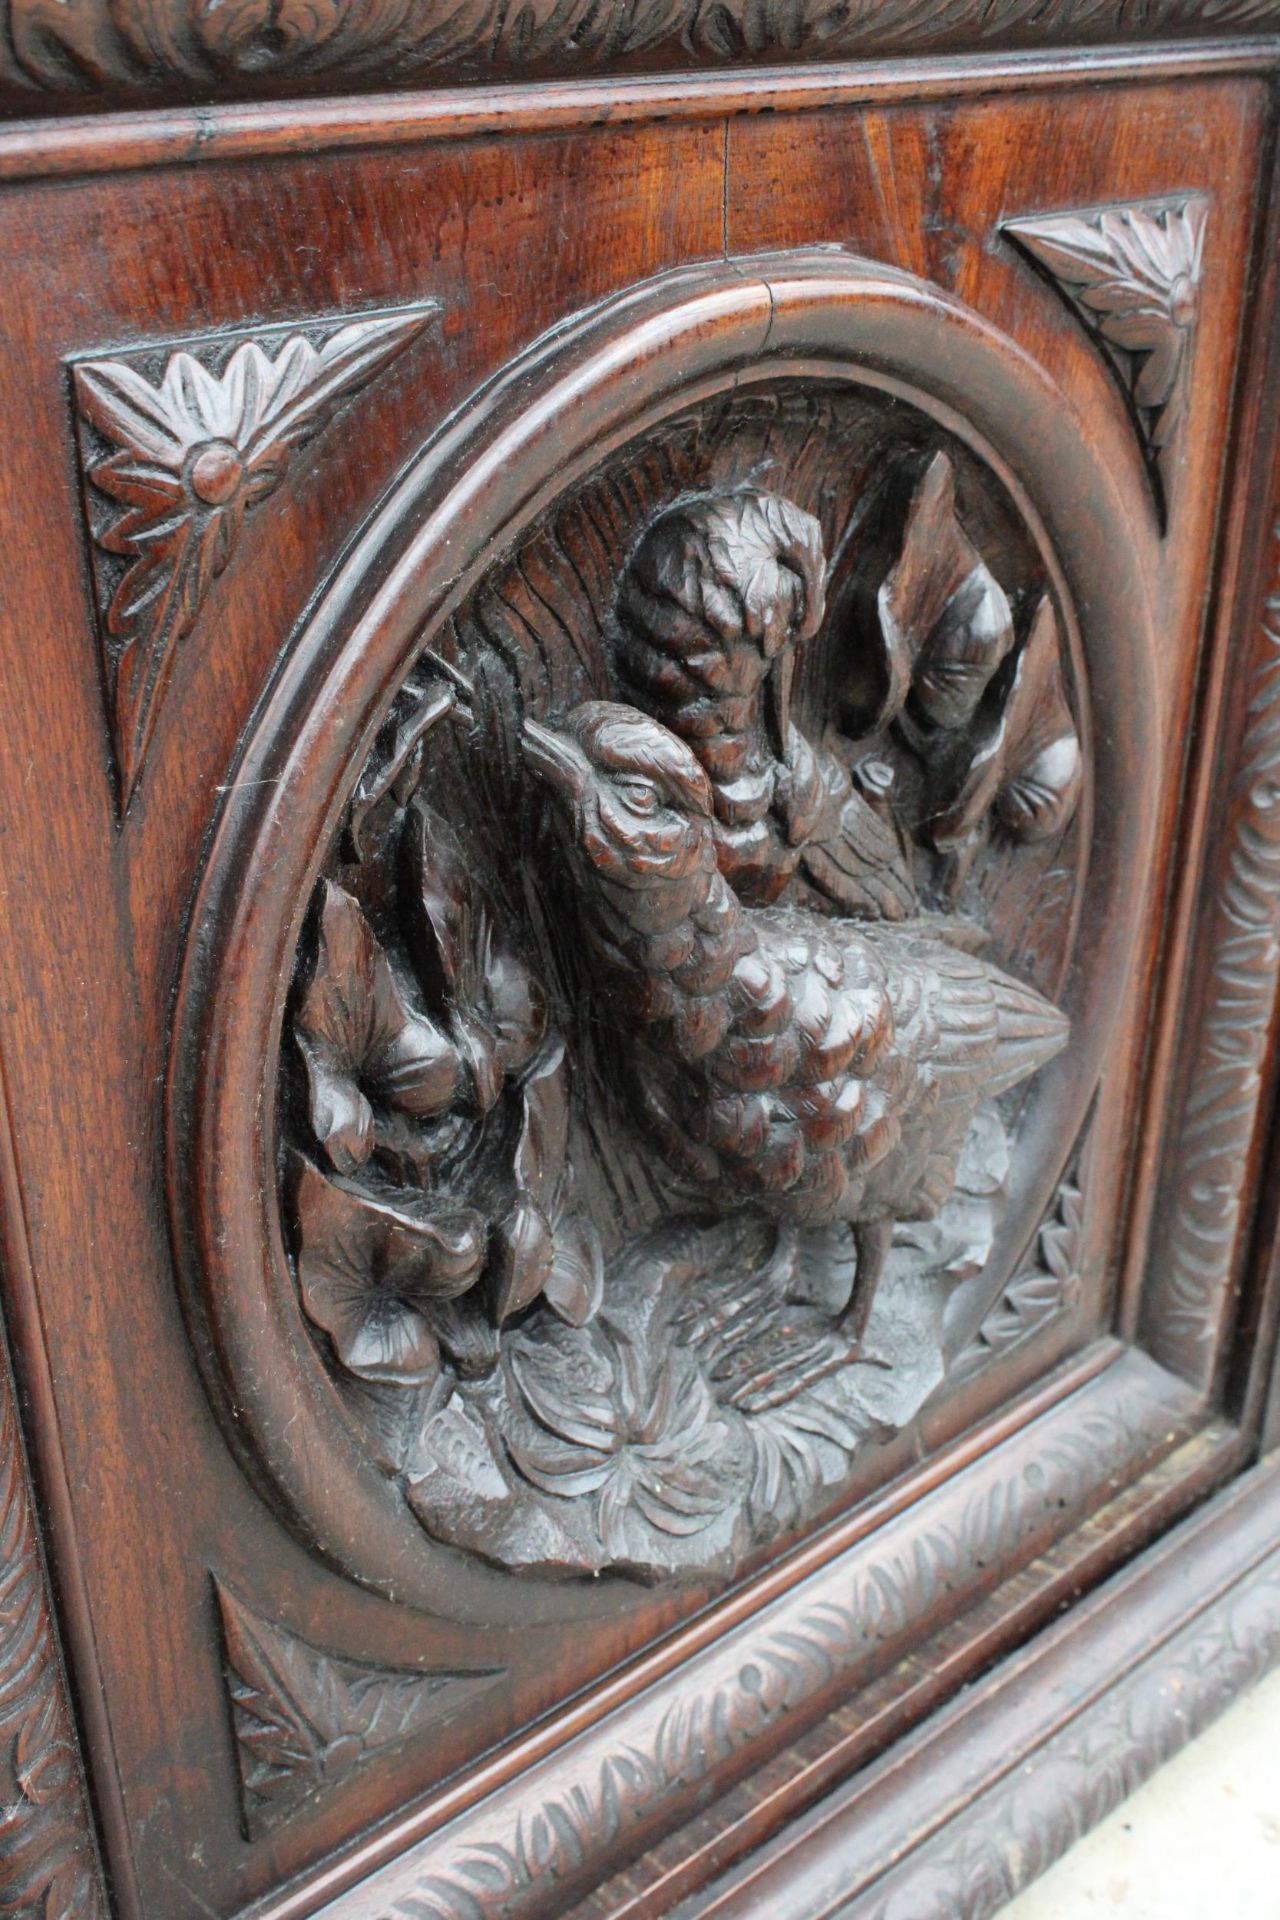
x=587, y=390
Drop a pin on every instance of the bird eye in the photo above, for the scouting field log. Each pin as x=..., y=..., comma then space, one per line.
x=639, y=795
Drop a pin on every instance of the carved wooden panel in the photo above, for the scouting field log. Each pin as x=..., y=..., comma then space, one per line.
x=638, y=1120
x=639, y=1040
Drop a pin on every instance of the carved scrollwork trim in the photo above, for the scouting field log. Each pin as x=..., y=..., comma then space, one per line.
x=48, y=1862
x=1034, y=1815
x=179, y=47
x=306, y=1720
x=1132, y=274
x=177, y=448
x=1210, y=1166
x=534, y=1848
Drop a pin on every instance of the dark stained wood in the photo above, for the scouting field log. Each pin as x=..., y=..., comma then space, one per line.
x=176, y=49
x=636, y=879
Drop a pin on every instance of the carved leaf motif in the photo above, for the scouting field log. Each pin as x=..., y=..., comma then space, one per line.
x=193, y=454
x=174, y=47
x=305, y=1720
x=358, y=1036
x=858, y=857
x=637, y=1430
x=368, y=1268
x=944, y=620
x=1133, y=275
x=1028, y=771
x=47, y=1867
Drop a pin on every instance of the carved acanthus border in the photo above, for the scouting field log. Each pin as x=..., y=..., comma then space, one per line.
x=177, y=447
x=1036, y=1813
x=48, y=1861
x=1132, y=275
x=305, y=1720
x=1210, y=1167
x=181, y=47
x=1044, y=1287
x=579, y=1806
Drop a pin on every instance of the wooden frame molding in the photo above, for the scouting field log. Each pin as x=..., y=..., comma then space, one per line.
x=539, y=1841
x=1007, y=1778
x=48, y=1858
x=176, y=49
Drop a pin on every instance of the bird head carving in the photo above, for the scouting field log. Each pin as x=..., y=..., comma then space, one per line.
x=633, y=800
x=722, y=586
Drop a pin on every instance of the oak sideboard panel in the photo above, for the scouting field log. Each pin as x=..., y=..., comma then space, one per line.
x=641, y=896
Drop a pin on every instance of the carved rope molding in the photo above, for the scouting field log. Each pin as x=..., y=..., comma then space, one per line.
x=305, y=1721
x=176, y=450
x=532, y=1849
x=48, y=1862
x=177, y=47
x=1132, y=275
x=1210, y=1168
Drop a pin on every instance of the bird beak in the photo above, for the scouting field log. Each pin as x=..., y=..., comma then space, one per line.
x=777, y=703
x=559, y=763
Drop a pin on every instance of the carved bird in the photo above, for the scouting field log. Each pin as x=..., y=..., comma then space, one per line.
x=713, y=607
x=824, y=1071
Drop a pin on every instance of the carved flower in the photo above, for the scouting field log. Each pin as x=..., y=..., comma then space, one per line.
x=360, y=1040
x=638, y=1430
x=192, y=455
x=370, y=1270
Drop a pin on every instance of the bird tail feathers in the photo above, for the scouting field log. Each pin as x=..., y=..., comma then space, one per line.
x=1029, y=1032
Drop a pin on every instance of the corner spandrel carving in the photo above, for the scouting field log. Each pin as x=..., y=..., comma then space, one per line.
x=665, y=1006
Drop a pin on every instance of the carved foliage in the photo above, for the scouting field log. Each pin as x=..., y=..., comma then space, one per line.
x=1032, y=1816
x=1209, y=1168
x=172, y=466
x=1133, y=275
x=734, y=923
x=305, y=1720
x=1046, y=1286
x=48, y=1868
x=435, y=1100
x=984, y=716
x=178, y=46
x=523, y=1852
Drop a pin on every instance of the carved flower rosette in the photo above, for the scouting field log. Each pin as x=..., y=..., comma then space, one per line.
x=681, y=975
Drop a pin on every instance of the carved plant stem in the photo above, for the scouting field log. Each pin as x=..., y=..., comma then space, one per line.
x=48, y=1865
x=1210, y=1169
